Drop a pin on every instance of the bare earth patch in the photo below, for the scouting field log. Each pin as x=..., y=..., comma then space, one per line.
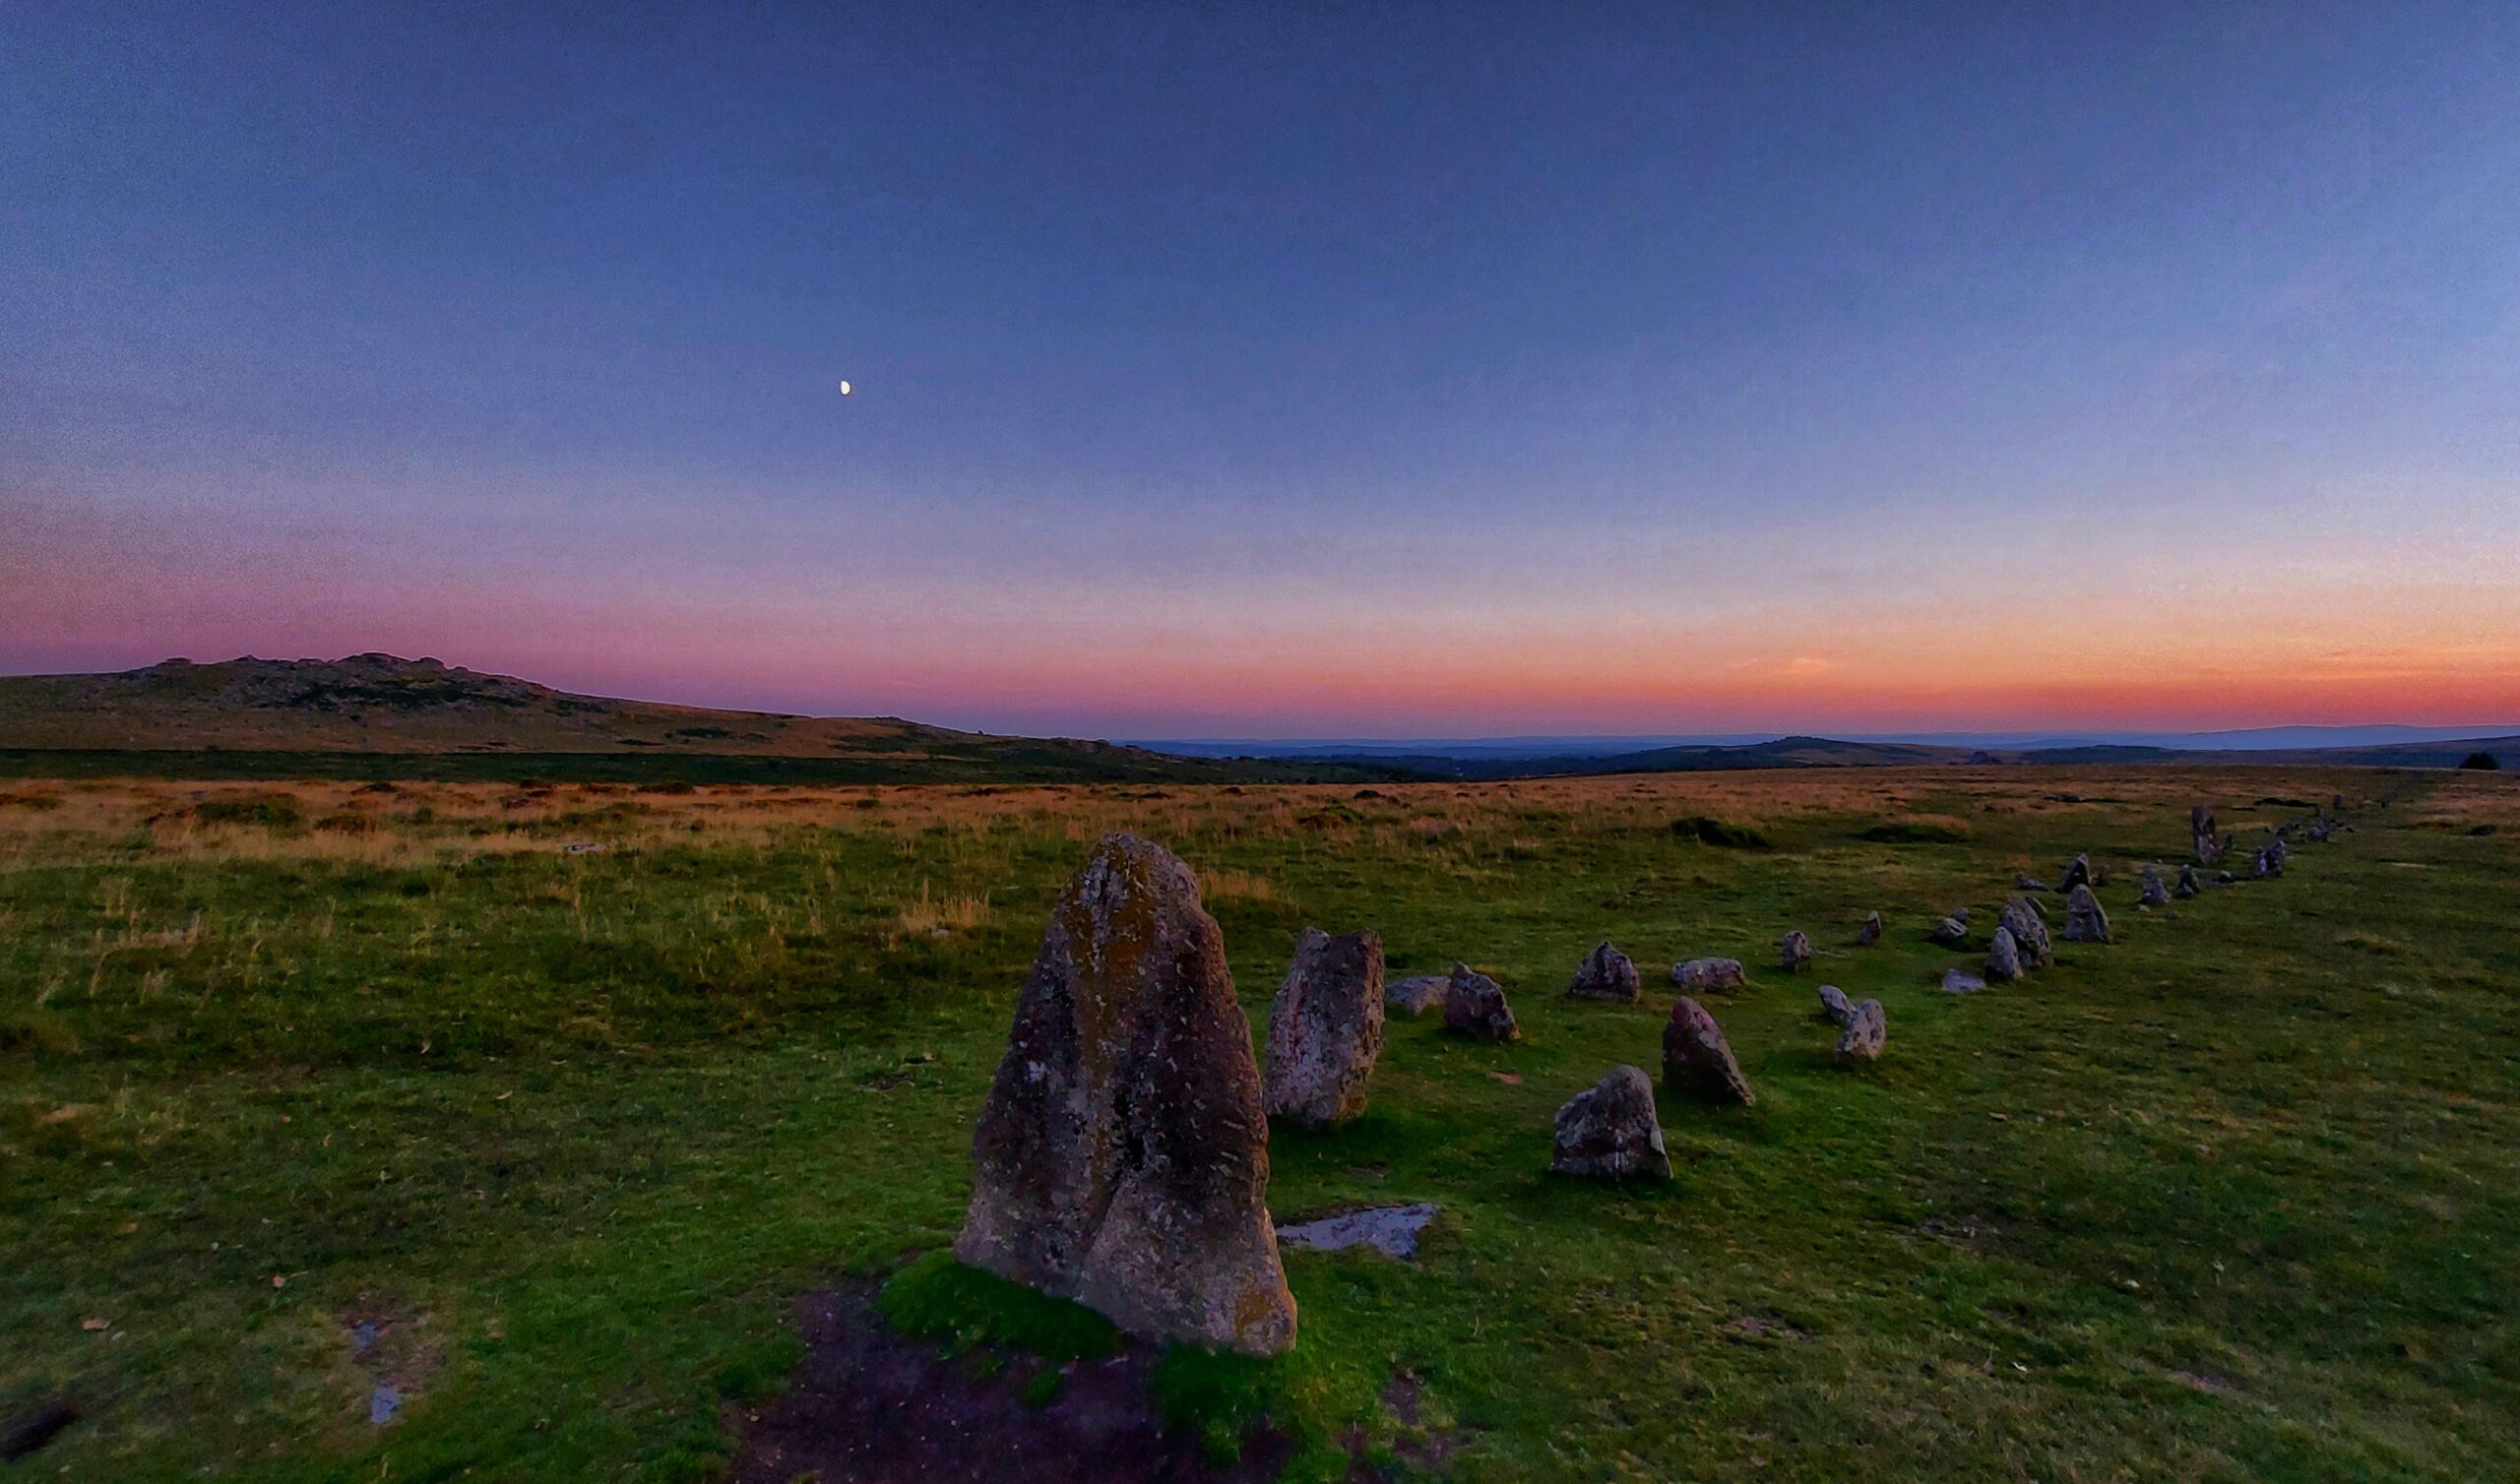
x=871, y=1406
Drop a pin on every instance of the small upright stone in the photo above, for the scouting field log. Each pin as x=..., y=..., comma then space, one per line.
x=1609, y=1132
x=1794, y=950
x=1705, y=975
x=1866, y=1031
x=2003, y=958
x=2085, y=922
x=2024, y=881
x=1871, y=933
x=2269, y=862
x=1696, y=1061
x=1475, y=1006
x=2207, y=840
x=1415, y=995
x=2020, y=917
x=2188, y=886
x=1122, y=1158
x=1606, y=974
x=1833, y=1007
x=2154, y=893
x=2077, y=874
x=1325, y=1030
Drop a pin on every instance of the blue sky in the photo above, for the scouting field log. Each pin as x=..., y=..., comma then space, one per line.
x=1263, y=369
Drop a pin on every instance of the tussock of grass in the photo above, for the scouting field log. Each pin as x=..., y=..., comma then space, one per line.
x=933, y=916
x=1920, y=830
x=1217, y=885
x=1709, y=830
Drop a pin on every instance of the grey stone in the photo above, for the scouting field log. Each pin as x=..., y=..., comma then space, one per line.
x=2155, y=894
x=1475, y=1006
x=1122, y=1158
x=1871, y=933
x=1391, y=1230
x=1705, y=974
x=1697, y=1061
x=2188, y=886
x=1605, y=975
x=2024, y=881
x=2020, y=917
x=1415, y=995
x=1794, y=951
x=1950, y=931
x=1609, y=1132
x=2003, y=958
x=1325, y=1030
x=2077, y=874
x=1834, y=1005
x=2085, y=922
x=1866, y=1031
x=1959, y=981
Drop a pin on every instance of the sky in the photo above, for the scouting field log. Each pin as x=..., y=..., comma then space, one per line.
x=1271, y=370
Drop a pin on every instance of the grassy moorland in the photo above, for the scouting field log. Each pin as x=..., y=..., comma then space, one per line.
x=2235, y=1198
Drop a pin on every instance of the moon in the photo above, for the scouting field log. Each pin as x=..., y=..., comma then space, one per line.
x=844, y=389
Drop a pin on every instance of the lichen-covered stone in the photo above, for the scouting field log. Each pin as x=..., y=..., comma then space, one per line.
x=2020, y=917
x=1707, y=974
x=2077, y=874
x=1609, y=1132
x=2154, y=893
x=1697, y=1061
x=1415, y=995
x=1122, y=1158
x=1834, y=1005
x=1475, y=1006
x=1950, y=931
x=1866, y=1031
x=1794, y=951
x=1325, y=1030
x=2003, y=958
x=2085, y=922
x=1605, y=975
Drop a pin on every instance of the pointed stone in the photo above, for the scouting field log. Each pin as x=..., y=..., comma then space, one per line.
x=1871, y=933
x=2085, y=922
x=2155, y=894
x=1605, y=975
x=1697, y=1061
x=1475, y=1006
x=2020, y=917
x=1834, y=1005
x=1122, y=1158
x=1325, y=1030
x=2077, y=874
x=1611, y=1132
x=2003, y=958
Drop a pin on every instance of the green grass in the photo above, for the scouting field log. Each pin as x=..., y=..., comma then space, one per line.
x=2235, y=1198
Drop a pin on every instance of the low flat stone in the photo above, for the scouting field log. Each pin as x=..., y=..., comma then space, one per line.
x=1415, y=995
x=1958, y=981
x=1705, y=974
x=1950, y=931
x=1391, y=1230
x=1609, y=1132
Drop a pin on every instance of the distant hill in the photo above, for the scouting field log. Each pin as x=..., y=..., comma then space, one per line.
x=377, y=714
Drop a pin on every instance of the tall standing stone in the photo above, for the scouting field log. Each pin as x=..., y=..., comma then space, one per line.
x=1609, y=1131
x=2077, y=874
x=2085, y=922
x=2003, y=958
x=1605, y=975
x=2207, y=840
x=1475, y=1006
x=1696, y=1060
x=1868, y=1030
x=1122, y=1158
x=1325, y=1030
x=1794, y=951
x=2020, y=917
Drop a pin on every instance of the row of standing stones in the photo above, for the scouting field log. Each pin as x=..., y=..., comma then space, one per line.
x=1122, y=1158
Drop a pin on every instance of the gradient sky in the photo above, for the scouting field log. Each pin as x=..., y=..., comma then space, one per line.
x=1267, y=370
